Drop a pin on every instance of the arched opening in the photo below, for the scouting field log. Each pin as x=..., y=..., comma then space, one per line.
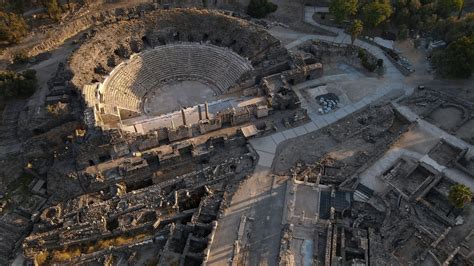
x=112, y=224
x=145, y=41
x=205, y=37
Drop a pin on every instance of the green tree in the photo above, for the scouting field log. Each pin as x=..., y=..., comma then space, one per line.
x=459, y=195
x=377, y=12
x=260, y=8
x=409, y=12
x=457, y=60
x=452, y=29
x=12, y=27
x=444, y=8
x=53, y=9
x=342, y=9
x=356, y=29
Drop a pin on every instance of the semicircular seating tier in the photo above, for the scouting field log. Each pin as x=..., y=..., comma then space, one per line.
x=130, y=81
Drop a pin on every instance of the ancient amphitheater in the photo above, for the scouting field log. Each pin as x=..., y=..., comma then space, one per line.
x=171, y=66
x=133, y=82
x=168, y=98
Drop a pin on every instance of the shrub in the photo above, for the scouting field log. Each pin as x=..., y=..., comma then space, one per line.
x=380, y=62
x=260, y=8
x=365, y=61
x=20, y=58
x=53, y=9
x=369, y=66
x=376, y=12
x=341, y=9
x=459, y=196
x=456, y=60
x=361, y=54
x=15, y=85
x=12, y=28
x=403, y=32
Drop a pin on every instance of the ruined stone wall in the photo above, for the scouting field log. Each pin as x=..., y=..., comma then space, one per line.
x=302, y=74
x=210, y=125
x=181, y=132
x=240, y=117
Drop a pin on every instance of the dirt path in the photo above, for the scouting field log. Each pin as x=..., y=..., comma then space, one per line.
x=47, y=68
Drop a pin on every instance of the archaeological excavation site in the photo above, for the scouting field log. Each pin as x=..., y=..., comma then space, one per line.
x=197, y=133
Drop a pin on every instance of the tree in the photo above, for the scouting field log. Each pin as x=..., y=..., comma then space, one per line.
x=457, y=60
x=444, y=8
x=459, y=195
x=341, y=9
x=12, y=27
x=377, y=12
x=452, y=29
x=260, y=8
x=53, y=9
x=356, y=29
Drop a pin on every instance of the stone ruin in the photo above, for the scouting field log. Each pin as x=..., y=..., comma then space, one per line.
x=176, y=214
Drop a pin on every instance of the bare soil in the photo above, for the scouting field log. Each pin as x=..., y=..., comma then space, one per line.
x=348, y=144
x=446, y=118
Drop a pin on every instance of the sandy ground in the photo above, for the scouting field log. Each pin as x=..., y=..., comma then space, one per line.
x=341, y=141
x=170, y=97
x=446, y=118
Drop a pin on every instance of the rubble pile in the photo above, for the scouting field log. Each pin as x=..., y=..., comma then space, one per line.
x=328, y=102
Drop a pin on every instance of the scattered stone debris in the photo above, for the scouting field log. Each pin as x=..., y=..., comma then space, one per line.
x=328, y=102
